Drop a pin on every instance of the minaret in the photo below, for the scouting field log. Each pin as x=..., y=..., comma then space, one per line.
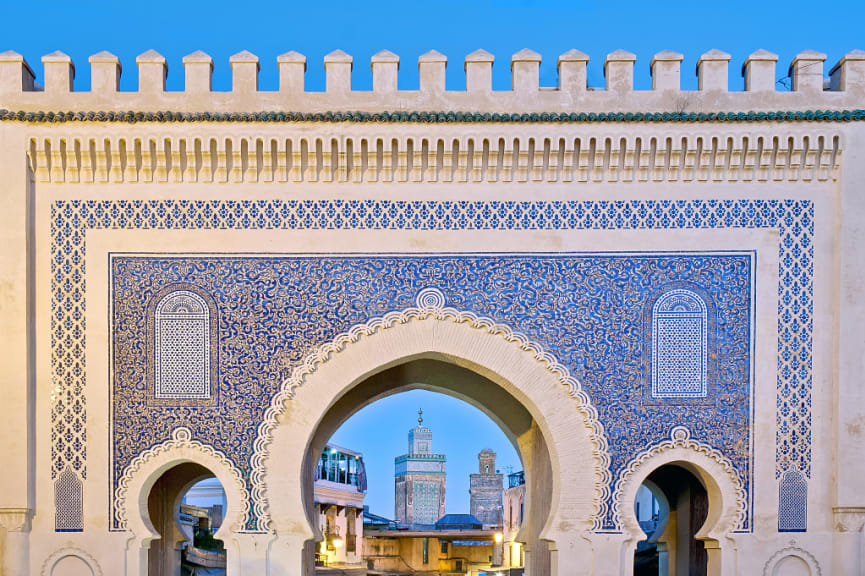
x=419, y=479
x=486, y=489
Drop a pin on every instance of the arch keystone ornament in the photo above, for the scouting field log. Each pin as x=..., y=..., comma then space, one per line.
x=430, y=298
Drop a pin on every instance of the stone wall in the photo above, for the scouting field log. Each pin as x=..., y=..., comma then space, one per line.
x=486, y=498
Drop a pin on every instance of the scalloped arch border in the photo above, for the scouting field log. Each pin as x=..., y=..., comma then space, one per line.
x=427, y=307
x=69, y=550
x=680, y=437
x=792, y=550
x=180, y=438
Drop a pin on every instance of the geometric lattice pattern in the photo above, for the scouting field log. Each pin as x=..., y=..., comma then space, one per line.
x=679, y=345
x=426, y=496
x=70, y=220
x=182, y=346
x=68, y=502
x=793, y=502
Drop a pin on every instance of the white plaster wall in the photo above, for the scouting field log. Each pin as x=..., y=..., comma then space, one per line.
x=837, y=446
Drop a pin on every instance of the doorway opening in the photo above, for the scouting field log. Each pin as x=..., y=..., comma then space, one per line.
x=186, y=506
x=420, y=532
x=671, y=507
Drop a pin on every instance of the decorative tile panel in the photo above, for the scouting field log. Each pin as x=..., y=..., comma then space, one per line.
x=426, y=496
x=679, y=345
x=182, y=348
x=793, y=502
x=794, y=218
x=68, y=502
x=586, y=310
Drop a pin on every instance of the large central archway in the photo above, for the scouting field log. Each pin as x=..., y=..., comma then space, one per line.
x=521, y=388
x=514, y=420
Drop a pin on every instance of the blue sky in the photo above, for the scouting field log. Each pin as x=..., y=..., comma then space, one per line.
x=455, y=28
x=460, y=431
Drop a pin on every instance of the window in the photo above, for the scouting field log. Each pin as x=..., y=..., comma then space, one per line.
x=679, y=345
x=444, y=546
x=793, y=502
x=68, y=502
x=426, y=550
x=350, y=529
x=182, y=347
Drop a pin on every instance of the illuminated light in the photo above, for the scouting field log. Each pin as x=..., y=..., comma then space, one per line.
x=338, y=542
x=323, y=547
x=515, y=550
x=498, y=537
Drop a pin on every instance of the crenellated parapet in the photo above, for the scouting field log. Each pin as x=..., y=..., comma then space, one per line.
x=809, y=90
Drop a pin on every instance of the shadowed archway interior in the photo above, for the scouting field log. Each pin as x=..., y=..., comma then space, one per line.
x=164, y=558
x=673, y=547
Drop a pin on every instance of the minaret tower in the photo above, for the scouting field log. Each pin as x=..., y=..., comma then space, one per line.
x=486, y=489
x=419, y=479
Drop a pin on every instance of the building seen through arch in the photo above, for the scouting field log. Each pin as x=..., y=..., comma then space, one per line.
x=340, y=486
x=186, y=506
x=420, y=479
x=486, y=490
x=672, y=506
x=457, y=542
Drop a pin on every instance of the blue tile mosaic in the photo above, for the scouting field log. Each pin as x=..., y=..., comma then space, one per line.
x=586, y=310
x=70, y=219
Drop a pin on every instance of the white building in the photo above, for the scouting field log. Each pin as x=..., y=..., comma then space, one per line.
x=340, y=486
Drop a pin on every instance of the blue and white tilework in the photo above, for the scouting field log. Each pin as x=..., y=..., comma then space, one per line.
x=182, y=347
x=587, y=310
x=680, y=345
x=792, y=502
x=615, y=391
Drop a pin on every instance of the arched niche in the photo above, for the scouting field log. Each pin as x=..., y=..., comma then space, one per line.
x=71, y=561
x=792, y=561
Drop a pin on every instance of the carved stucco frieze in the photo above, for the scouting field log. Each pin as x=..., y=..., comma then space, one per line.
x=848, y=518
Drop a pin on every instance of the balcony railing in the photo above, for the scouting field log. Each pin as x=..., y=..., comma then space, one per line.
x=516, y=479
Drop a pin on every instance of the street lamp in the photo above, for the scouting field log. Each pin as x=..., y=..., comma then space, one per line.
x=498, y=549
x=332, y=538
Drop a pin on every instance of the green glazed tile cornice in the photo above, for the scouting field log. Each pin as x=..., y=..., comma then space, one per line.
x=131, y=117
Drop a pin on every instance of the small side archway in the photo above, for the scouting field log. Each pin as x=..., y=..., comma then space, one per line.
x=792, y=561
x=363, y=370
x=191, y=461
x=724, y=491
